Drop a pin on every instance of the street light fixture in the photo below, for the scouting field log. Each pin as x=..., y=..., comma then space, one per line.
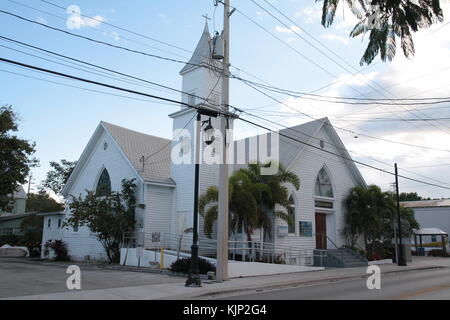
x=194, y=276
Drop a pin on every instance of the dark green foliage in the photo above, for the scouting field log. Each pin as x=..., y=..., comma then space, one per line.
x=252, y=199
x=32, y=226
x=58, y=176
x=42, y=202
x=184, y=265
x=410, y=196
x=15, y=156
x=396, y=19
x=11, y=239
x=58, y=247
x=371, y=214
x=108, y=217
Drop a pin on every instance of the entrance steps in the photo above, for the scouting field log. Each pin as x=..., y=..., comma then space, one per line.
x=339, y=258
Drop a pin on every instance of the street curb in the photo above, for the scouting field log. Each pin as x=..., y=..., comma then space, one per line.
x=305, y=282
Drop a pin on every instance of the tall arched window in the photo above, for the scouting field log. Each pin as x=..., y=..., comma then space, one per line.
x=103, y=184
x=291, y=214
x=323, y=184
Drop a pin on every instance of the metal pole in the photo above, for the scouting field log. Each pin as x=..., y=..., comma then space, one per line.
x=194, y=277
x=222, y=232
x=400, y=260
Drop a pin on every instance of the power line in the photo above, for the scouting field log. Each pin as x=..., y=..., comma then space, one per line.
x=371, y=101
x=347, y=130
x=194, y=107
x=100, y=67
x=97, y=83
x=338, y=155
x=81, y=88
x=339, y=147
x=319, y=51
x=101, y=30
x=283, y=91
x=108, y=44
x=122, y=28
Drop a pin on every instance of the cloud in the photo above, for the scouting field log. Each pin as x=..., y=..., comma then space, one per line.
x=425, y=75
x=164, y=17
x=289, y=30
x=77, y=21
x=310, y=14
x=331, y=36
x=41, y=20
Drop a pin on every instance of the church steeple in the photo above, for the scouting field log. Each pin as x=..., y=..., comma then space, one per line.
x=199, y=79
x=201, y=53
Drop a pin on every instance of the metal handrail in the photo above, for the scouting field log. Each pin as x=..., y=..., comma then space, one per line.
x=253, y=250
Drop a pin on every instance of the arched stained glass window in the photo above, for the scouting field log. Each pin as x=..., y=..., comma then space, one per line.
x=291, y=214
x=323, y=184
x=103, y=184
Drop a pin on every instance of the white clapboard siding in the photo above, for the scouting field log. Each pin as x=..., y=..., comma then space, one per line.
x=83, y=243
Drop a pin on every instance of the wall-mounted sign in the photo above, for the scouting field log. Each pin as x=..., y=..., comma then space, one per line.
x=282, y=231
x=305, y=228
x=156, y=237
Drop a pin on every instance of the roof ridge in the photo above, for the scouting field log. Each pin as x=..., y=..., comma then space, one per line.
x=138, y=132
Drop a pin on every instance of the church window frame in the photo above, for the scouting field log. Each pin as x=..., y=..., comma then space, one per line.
x=324, y=190
x=291, y=211
x=103, y=184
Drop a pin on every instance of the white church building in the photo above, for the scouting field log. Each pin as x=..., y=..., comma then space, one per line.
x=165, y=189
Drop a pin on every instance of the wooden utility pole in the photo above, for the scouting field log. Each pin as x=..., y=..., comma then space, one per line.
x=222, y=224
x=400, y=257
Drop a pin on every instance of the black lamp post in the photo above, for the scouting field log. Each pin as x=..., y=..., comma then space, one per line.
x=194, y=276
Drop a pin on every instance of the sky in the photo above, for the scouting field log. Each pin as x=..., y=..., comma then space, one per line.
x=61, y=119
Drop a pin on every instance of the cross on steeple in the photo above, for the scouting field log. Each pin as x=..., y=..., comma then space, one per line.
x=206, y=17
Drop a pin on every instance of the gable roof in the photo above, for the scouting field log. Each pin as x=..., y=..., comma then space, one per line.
x=19, y=193
x=426, y=203
x=302, y=132
x=201, y=52
x=306, y=133
x=134, y=145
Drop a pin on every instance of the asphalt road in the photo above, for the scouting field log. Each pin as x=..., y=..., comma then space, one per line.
x=424, y=284
x=23, y=277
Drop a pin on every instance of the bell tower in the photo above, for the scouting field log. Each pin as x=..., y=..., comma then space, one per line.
x=201, y=85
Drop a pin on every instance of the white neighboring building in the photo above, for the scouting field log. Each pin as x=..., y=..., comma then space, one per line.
x=431, y=214
x=165, y=189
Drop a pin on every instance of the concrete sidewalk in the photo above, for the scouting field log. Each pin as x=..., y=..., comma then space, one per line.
x=177, y=291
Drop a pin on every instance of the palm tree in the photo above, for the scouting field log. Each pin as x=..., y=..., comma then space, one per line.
x=242, y=205
x=253, y=198
x=269, y=192
x=392, y=20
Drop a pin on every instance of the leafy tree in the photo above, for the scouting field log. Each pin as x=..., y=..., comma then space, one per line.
x=108, y=217
x=270, y=191
x=386, y=21
x=410, y=196
x=252, y=200
x=32, y=227
x=15, y=156
x=242, y=206
x=58, y=176
x=371, y=214
x=42, y=202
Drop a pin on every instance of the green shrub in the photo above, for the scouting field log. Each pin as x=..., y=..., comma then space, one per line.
x=183, y=265
x=59, y=248
x=11, y=239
